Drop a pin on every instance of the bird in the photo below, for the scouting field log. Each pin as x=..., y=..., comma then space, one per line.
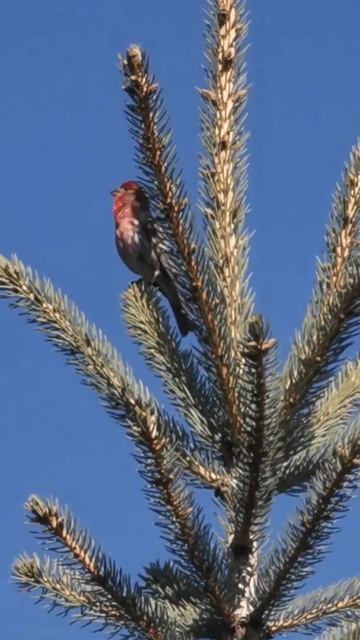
x=138, y=245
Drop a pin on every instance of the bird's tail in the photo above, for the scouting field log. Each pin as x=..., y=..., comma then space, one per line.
x=168, y=289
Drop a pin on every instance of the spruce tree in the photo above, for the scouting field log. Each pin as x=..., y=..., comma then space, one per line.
x=243, y=427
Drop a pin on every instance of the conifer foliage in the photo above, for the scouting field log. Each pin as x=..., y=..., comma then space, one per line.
x=242, y=427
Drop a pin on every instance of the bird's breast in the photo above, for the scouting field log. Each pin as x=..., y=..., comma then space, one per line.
x=134, y=247
x=127, y=231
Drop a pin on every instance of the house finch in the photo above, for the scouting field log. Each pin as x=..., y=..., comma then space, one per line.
x=137, y=245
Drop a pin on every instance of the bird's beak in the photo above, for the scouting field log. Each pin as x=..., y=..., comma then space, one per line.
x=117, y=192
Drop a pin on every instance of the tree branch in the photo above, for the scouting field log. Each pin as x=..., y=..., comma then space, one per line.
x=96, y=360
x=302, y=544
x=191, y=268
x=332, y=318
x=318, y=607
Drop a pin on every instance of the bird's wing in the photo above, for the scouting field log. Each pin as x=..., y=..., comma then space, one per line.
x=160, y=246
x=150, y=225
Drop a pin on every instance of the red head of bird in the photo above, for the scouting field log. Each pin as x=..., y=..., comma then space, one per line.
x=126, y=194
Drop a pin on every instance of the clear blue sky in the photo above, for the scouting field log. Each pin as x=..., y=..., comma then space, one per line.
x=64, y=145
